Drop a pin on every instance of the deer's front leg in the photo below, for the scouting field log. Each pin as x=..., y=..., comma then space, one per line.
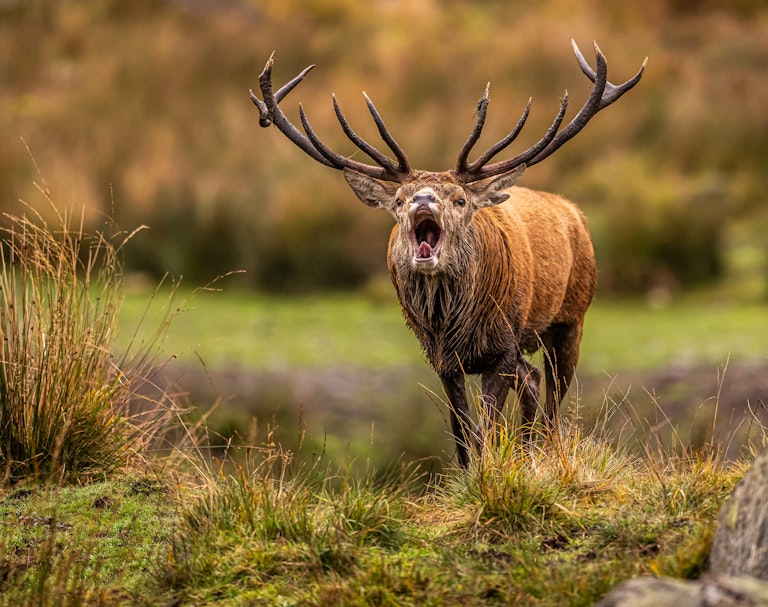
x=461, y=420
x=496, y=383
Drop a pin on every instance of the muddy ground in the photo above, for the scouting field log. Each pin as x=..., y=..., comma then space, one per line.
x=399, y=413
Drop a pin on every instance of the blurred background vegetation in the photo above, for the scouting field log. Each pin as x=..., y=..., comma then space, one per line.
x=139, y=109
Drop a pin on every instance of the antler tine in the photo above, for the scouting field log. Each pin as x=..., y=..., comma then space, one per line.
x=503, y=143
x=270, y=113
x=403, y=164
x=265, y=119
x=603, y=94
x=360, y=142
x=478, y=171
x=612, y=92
x=480, y=110
x=341, y=162
x=288, y=87
x=525, y=157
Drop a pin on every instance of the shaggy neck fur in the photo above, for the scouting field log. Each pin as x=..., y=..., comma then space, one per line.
x=464, y=315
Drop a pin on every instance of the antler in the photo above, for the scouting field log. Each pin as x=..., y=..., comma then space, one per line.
x=270, y=113
x=603, y=94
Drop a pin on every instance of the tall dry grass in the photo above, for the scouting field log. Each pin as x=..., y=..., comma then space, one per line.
x=71, y=407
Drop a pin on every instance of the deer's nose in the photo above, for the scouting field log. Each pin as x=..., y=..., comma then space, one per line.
x=422, y=199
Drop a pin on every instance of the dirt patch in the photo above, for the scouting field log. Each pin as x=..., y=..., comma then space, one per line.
x=400, y=411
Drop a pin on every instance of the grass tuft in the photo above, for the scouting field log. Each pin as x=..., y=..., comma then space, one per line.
x=68, y=403
x=544, y=488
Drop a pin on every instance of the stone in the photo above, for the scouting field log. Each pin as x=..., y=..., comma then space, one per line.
x=738, y=572
x=740, y=544
x=652, y=592
x=711, y=591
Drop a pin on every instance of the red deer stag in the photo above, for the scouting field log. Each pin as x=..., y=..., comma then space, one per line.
x=485, y=272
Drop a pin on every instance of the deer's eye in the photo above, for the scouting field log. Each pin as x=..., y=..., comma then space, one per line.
x=460, y=202
x=399, y=202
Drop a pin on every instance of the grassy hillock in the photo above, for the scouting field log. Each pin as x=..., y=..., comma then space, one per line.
x=559, y=526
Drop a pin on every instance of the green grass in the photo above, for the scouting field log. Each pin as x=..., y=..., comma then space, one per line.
x=633, y=335
x=259, y=332
x=271, y=332
x=91, y=544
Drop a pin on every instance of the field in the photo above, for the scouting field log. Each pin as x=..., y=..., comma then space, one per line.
x=548, y=531
x=278, y=438
x=266, y=332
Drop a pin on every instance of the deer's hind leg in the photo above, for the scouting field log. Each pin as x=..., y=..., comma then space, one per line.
x=561, y=354
x=528, y=380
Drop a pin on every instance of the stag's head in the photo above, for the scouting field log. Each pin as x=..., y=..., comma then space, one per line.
x=432, y=209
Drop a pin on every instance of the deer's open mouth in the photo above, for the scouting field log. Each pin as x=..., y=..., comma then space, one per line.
x=426, y=237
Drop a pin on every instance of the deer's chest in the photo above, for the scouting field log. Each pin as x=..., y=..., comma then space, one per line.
x=457, y=327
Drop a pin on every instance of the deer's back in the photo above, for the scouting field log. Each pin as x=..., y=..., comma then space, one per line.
x=549, y=235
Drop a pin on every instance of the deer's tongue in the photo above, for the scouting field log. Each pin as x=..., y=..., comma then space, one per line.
x=424, y=251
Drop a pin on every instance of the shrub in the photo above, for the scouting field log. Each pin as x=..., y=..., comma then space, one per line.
x=163, y=119
x=657, y=229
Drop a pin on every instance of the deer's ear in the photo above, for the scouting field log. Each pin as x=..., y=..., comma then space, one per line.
x=489, y=192
x=373, y=192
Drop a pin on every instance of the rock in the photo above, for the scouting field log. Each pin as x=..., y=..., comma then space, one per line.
x=740, y=544
x=738, y=575
x=712, y=591
x=653, y=592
